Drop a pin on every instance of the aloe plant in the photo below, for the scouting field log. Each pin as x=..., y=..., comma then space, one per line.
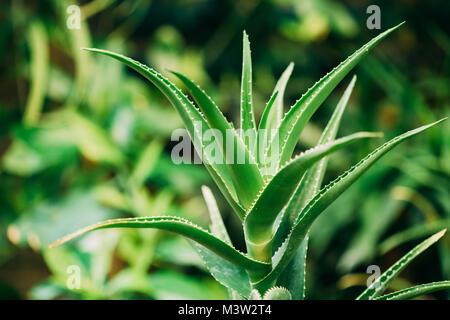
x=276, y=195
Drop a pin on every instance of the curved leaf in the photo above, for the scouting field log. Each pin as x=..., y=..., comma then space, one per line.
x=310, y=183
x=416, y=291
x=379, y=285
x=293, y=276
x=273, y=113
x=183, y=227
x=226, y=273
x=190, y=115
x=263, y=136
x=295, y=120
x=271, y=118
x=210, y=110
x=229, y=275
x=246, y=176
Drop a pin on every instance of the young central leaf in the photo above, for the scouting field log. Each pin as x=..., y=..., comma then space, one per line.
x=248, y=126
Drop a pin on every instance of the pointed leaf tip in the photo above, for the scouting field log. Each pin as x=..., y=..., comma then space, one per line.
x=439, y=235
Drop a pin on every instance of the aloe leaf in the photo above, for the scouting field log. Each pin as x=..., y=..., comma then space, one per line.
x=323, y=199
x=379, y=285
x=293, y=276
x=277, y=293
x=217, y=226
x=314, y=176
x=416, y=291
x=271, y=118
x=263, y=134
x=295, y=120
x=190, y=115
x=248, y=126
x=413, y=233
x=246, y=176
x=273, y=113
x=226, y=273
x=183, y=227
x=233, y=277
x=312, y=180
x=262, y=215
x=210, y=110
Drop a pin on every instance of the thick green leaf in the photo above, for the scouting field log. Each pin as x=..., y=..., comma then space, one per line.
x=379, y=285
x=221, y=268
x=246, y=176
x=322, y=200
x=293, y=276
x=313, y=179
x=183, y=227
x=248, y=126
x=262, y=215
x=192, y=118
x=416, y=291
x=310, y=183
x=295, y=120
x=263, y=136
x=226, y=273
x=210, y=110
x=272, y=115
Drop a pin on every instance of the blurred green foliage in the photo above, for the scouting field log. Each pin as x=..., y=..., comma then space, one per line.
x=82, y=139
